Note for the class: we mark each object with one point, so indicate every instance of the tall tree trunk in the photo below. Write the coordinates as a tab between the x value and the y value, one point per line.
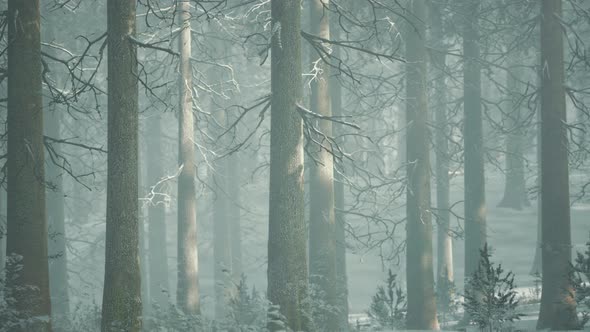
515	195
445	272
188	259
221	224
157	253
121	306
341	275
233	189
322	231
26	226
558	305
143	245
58	266
475	206
536	269
287	236
419	273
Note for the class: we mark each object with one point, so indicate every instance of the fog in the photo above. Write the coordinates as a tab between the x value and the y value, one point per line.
281	165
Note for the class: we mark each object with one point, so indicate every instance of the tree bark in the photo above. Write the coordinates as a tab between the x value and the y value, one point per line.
445	271
322	232
558	305
58	262
188	259
121	307
421	313
157	252
339	200
515	195
234	216
221	224
58	266
287	237
143	246
26	223
475	207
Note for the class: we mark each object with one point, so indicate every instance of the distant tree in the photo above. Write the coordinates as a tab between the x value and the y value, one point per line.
187	291
158	252
287	236
339	214
419	274
322	229
121	304
475	205
558	305
444	271
222	246
515	193
28	277
58	258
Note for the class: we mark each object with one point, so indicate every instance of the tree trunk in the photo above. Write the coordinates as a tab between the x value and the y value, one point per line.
536	269
233	189
341	275
287	237
157	253
558	305
322	232
515	195
26	225
143	246
58	266
419	274
221	225
475	207
445	271
188	259
121	307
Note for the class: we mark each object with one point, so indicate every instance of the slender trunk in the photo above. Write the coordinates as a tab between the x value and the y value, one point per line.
419	274
188	259
26	225
558	304
341	276
322	231
287	237
233	190
143	247
121	306
475	207
221	225
58	266
445	272
536	269
157	253
515	195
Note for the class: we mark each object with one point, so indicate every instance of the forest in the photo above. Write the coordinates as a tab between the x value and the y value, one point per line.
294	165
